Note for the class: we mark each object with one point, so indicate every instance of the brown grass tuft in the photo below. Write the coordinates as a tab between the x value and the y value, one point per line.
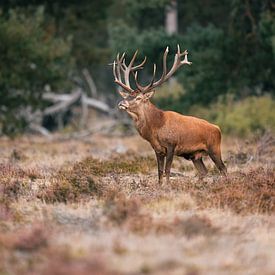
70	185
17	155
194	226
9	170
5	209
118	208
82	180
121	210
60	261
31	239
26	239
69	189
117	165
251	192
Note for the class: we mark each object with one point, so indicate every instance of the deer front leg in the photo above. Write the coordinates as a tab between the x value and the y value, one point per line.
160	160
169	160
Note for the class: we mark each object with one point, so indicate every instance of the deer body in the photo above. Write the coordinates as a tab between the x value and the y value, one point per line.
169	133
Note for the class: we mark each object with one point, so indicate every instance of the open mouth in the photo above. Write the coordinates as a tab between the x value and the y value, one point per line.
122	106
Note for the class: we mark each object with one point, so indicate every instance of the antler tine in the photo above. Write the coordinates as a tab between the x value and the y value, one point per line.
114	70
137	67
133	59
175	66
179	54
122	62
128	69
145	89
164	60
121	66
177	62
185	60
164	65
118	67
153	78
122	57
118	78
185	53
140	88
117	73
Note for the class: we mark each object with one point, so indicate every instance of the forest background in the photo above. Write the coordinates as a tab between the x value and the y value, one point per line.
45	46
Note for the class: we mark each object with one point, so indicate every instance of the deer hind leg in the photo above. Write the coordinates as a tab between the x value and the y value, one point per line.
160	161
215	155
198	163
169	160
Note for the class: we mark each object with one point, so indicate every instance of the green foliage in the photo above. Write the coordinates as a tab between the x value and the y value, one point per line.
86	22
231	45
142	28
203	80
241	118
31	57
150	43
138	13
249	54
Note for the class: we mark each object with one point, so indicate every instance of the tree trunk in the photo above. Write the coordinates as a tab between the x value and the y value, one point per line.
171	17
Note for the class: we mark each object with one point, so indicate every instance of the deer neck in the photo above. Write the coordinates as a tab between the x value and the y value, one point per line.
148	119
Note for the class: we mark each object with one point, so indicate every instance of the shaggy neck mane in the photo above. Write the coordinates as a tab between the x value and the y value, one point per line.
154	116
150	118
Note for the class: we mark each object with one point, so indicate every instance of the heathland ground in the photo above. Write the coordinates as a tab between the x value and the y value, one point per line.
94	206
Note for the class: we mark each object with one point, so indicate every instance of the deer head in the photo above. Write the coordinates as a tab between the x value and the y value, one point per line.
136	99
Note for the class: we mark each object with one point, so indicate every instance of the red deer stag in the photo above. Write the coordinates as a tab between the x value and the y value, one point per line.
169	133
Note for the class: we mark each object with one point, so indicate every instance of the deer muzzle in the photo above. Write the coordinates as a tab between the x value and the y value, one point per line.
123	105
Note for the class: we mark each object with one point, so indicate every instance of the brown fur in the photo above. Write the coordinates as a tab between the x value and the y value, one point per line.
171	133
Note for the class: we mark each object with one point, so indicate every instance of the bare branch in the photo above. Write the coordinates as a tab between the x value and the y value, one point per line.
41	130
90	82
84	114
97	104
56	97
63	105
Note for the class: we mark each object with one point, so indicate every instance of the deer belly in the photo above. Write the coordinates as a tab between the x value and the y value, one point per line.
193	155
192	152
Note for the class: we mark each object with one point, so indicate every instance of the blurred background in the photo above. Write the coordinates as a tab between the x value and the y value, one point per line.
54	56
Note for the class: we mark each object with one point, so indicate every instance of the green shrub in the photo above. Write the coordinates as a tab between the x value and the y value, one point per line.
241	118
31	58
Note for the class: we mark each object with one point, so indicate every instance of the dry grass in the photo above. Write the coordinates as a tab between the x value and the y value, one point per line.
251	191
66	208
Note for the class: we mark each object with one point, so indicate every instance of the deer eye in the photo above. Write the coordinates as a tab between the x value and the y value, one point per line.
138	98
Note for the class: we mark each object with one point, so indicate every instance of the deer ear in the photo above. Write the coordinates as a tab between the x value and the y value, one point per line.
149	95
123	94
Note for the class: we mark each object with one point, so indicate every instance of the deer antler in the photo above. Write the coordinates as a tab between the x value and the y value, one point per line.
120	65
177	64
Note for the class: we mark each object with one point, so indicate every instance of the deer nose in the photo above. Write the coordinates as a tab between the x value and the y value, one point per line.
123	104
